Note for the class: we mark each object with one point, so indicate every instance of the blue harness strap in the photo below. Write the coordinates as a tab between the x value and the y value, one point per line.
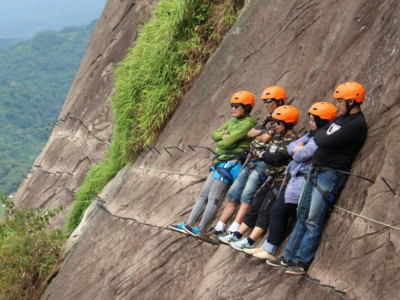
227	170
224	170
225	173
263	177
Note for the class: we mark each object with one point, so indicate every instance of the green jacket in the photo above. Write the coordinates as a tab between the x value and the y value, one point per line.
237	141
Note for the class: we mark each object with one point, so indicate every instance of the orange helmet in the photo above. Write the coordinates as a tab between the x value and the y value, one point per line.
324	110
287	113
350	91
244	97
274	92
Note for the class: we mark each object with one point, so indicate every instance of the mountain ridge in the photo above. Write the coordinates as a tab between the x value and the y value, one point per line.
22	19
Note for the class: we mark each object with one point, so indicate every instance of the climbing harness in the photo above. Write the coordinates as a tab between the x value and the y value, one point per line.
261	175
246	161
329	197
303	194
224	169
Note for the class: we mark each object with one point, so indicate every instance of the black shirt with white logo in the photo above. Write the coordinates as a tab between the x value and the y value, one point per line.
339	142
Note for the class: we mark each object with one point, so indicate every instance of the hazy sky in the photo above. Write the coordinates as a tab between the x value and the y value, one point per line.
23	18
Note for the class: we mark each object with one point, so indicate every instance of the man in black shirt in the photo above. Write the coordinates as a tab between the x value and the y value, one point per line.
338	144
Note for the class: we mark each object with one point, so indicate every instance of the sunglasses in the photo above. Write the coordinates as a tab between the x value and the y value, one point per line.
269	101
278	122
235	105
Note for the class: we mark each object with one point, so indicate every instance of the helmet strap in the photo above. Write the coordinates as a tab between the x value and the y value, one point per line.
288	126
320	122
247	109
349	106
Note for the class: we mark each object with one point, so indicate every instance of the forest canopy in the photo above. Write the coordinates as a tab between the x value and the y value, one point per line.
35	77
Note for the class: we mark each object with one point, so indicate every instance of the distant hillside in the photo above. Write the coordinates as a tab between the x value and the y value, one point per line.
5	43
21	18
35	77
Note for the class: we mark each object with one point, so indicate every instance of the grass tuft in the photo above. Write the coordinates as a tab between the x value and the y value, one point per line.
150	83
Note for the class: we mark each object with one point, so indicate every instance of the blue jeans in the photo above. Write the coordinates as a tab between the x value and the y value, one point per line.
314	213
247	182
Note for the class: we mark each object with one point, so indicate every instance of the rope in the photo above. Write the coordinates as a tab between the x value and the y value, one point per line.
204	175
172	172
366	218
100	203
339	293
104	209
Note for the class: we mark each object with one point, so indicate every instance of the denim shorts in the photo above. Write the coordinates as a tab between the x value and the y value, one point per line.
247	183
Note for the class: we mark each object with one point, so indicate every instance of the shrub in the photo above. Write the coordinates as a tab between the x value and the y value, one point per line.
29	254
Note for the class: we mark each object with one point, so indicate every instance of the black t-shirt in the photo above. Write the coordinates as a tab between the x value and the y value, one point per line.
339	142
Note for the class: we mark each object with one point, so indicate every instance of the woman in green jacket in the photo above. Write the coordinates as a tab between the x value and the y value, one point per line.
232	144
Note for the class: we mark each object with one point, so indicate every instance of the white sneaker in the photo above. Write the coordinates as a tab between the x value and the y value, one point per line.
240	245
228	238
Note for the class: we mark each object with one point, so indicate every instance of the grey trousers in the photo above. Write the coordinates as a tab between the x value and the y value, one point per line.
211	194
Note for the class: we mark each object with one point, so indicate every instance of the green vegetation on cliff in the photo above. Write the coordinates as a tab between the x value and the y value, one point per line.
153	79
29	254
3	197
35	77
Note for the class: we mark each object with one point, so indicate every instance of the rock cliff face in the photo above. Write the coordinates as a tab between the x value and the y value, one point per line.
306	46
84	128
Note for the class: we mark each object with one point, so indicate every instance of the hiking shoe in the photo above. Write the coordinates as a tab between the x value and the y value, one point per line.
296	270
253	250
277	262
211	236
240	245
265	255
178	228
228	238
191	230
